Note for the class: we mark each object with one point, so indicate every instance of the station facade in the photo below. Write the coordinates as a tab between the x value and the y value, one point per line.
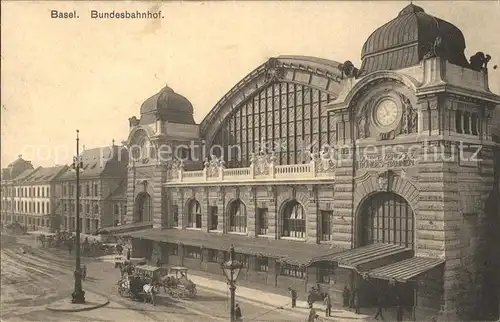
324	174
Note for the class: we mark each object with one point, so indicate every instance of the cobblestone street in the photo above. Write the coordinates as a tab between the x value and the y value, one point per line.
30	281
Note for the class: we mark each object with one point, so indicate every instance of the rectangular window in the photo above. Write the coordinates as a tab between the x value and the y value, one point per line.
193	252
326	221
214	218
213	256
324	275
293	271
262	264
175	214
174	249
88	224
261	221
95	190
243	259
117	209
87	208
87	191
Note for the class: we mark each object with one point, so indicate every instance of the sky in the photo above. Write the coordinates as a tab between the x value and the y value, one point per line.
59	75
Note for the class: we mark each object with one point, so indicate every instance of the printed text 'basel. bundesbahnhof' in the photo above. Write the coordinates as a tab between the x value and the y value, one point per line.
95	14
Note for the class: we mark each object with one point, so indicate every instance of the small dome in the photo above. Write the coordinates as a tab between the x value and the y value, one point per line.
169	105
405	40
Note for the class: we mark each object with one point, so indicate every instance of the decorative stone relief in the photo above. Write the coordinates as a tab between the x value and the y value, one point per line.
212	167
326	161
383	181
434	50
176	166
363	120
262	162
387	160
409	123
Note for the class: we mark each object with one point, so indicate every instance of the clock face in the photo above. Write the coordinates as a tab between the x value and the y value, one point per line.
386	112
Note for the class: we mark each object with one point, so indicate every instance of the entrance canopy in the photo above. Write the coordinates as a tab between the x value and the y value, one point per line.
368	257
294	253
124	228
406	269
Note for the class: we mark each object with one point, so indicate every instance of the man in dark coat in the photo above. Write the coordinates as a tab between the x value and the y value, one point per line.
346	295
128	254
293	294
237	312
354	301
380	305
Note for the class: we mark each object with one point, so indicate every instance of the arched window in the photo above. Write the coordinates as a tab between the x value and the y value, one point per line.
194	214
237	216
294	220
387	218
143	210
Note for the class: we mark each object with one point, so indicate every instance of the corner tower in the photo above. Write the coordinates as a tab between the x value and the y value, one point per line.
164	134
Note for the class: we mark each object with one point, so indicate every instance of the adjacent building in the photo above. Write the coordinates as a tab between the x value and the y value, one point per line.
318	172
18	168
102	185
35	200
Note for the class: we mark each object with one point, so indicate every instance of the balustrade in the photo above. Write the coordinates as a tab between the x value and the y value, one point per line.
262	167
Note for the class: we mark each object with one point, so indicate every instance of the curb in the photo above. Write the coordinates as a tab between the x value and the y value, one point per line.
282	306
81	307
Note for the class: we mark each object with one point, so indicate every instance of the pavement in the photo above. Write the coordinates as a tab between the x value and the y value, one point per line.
42	276
274	300
92	301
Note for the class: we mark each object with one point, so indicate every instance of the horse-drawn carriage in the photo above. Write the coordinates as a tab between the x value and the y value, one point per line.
177	284
138	287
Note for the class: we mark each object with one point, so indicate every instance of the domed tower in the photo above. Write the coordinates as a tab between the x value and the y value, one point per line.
164	134
168	106
409	38
416	122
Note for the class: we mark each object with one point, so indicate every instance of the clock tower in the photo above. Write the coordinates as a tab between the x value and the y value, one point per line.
415	160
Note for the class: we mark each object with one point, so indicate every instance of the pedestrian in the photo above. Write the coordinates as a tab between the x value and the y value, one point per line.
158	262
128	254
354	301
399	313
237	312
84	272
345	296
380	304
293	294
328	304
310	298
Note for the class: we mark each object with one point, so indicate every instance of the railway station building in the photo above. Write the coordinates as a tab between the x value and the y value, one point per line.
377	177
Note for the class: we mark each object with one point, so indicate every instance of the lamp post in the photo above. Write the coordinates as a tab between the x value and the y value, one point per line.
78	295
231	270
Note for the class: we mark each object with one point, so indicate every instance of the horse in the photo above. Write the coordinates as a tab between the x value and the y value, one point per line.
168	282
150	290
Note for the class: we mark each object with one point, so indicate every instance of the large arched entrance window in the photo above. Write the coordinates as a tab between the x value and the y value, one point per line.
387	218
143	208
237	216
294	220
194	214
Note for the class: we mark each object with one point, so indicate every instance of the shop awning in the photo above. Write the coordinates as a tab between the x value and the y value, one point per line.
406	269
368	257
125	228
292	252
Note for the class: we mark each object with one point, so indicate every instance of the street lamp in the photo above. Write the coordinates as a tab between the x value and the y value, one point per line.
231	270
78	295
